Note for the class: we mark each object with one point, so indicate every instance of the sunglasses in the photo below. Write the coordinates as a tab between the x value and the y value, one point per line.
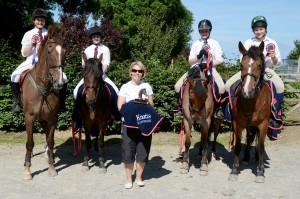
139	71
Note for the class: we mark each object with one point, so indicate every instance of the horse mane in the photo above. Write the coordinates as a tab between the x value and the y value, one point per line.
91	64
194	74
253	52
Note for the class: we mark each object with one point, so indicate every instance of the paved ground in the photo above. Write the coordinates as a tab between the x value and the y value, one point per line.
161	176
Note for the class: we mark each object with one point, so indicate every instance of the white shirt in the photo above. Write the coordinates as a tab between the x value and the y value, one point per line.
89	52
254	42
212	45
131	92
26	41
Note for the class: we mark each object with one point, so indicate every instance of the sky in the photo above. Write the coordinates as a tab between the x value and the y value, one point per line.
231	21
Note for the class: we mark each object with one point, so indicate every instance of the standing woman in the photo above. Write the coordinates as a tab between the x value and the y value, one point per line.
135	146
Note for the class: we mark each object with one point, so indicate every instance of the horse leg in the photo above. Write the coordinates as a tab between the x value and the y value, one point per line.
249	140
101	147
217	126
86	158
235	167
29	146
204	146
185	161
49	130
263	128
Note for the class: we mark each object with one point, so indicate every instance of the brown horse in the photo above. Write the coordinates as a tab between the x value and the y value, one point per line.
198	107
251	108
40	94
95	108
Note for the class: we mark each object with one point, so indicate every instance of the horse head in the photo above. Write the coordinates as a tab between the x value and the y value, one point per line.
252	69
92	76
52	53
198	91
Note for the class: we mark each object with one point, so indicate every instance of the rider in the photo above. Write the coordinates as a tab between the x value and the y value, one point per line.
94	51
272	57
208	44
30	43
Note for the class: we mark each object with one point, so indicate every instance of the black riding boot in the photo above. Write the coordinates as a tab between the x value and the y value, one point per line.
63	94
15	89
76	115
178	106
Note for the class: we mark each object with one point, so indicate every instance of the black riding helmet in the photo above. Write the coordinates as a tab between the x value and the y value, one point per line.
259	21
204	25
39	12
96	30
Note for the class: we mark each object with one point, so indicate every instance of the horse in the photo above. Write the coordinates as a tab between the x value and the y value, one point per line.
40	94
95	108
198	107
251	108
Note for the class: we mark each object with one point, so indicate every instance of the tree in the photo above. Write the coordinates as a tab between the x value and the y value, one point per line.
295	53
152	29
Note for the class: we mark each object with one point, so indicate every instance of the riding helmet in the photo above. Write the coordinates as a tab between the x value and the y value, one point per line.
96	30
204	24
39	12
259	21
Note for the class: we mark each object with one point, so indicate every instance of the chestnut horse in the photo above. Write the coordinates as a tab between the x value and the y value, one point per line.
251	108
40	94
95	108
198	107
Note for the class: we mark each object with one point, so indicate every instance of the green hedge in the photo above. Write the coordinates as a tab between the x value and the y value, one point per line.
161	77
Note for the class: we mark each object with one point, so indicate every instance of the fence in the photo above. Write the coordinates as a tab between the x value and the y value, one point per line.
289	70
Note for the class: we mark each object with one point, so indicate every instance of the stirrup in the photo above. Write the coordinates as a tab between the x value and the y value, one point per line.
219	113
17	108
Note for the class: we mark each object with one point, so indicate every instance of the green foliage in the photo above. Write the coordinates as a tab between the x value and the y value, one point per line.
152	30
295	53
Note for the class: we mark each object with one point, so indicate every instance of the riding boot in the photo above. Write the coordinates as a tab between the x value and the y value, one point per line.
15	89
63	94
178	107
76	115
279	100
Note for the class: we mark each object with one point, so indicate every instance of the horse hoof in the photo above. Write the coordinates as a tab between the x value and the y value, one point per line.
259	179
184	171
102	170
233	177
27	176
85	168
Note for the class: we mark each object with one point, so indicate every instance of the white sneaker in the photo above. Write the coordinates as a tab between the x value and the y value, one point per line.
128	185
140	183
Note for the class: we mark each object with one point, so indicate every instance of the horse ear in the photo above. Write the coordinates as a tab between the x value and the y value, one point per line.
100	59
84	58
50	32
63	32
242	49
261	47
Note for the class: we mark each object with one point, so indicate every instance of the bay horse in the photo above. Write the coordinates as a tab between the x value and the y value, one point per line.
40	94
251	108
198	107
95	108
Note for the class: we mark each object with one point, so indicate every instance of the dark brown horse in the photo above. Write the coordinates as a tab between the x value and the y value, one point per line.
40	94
95	108
198	107
251	108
